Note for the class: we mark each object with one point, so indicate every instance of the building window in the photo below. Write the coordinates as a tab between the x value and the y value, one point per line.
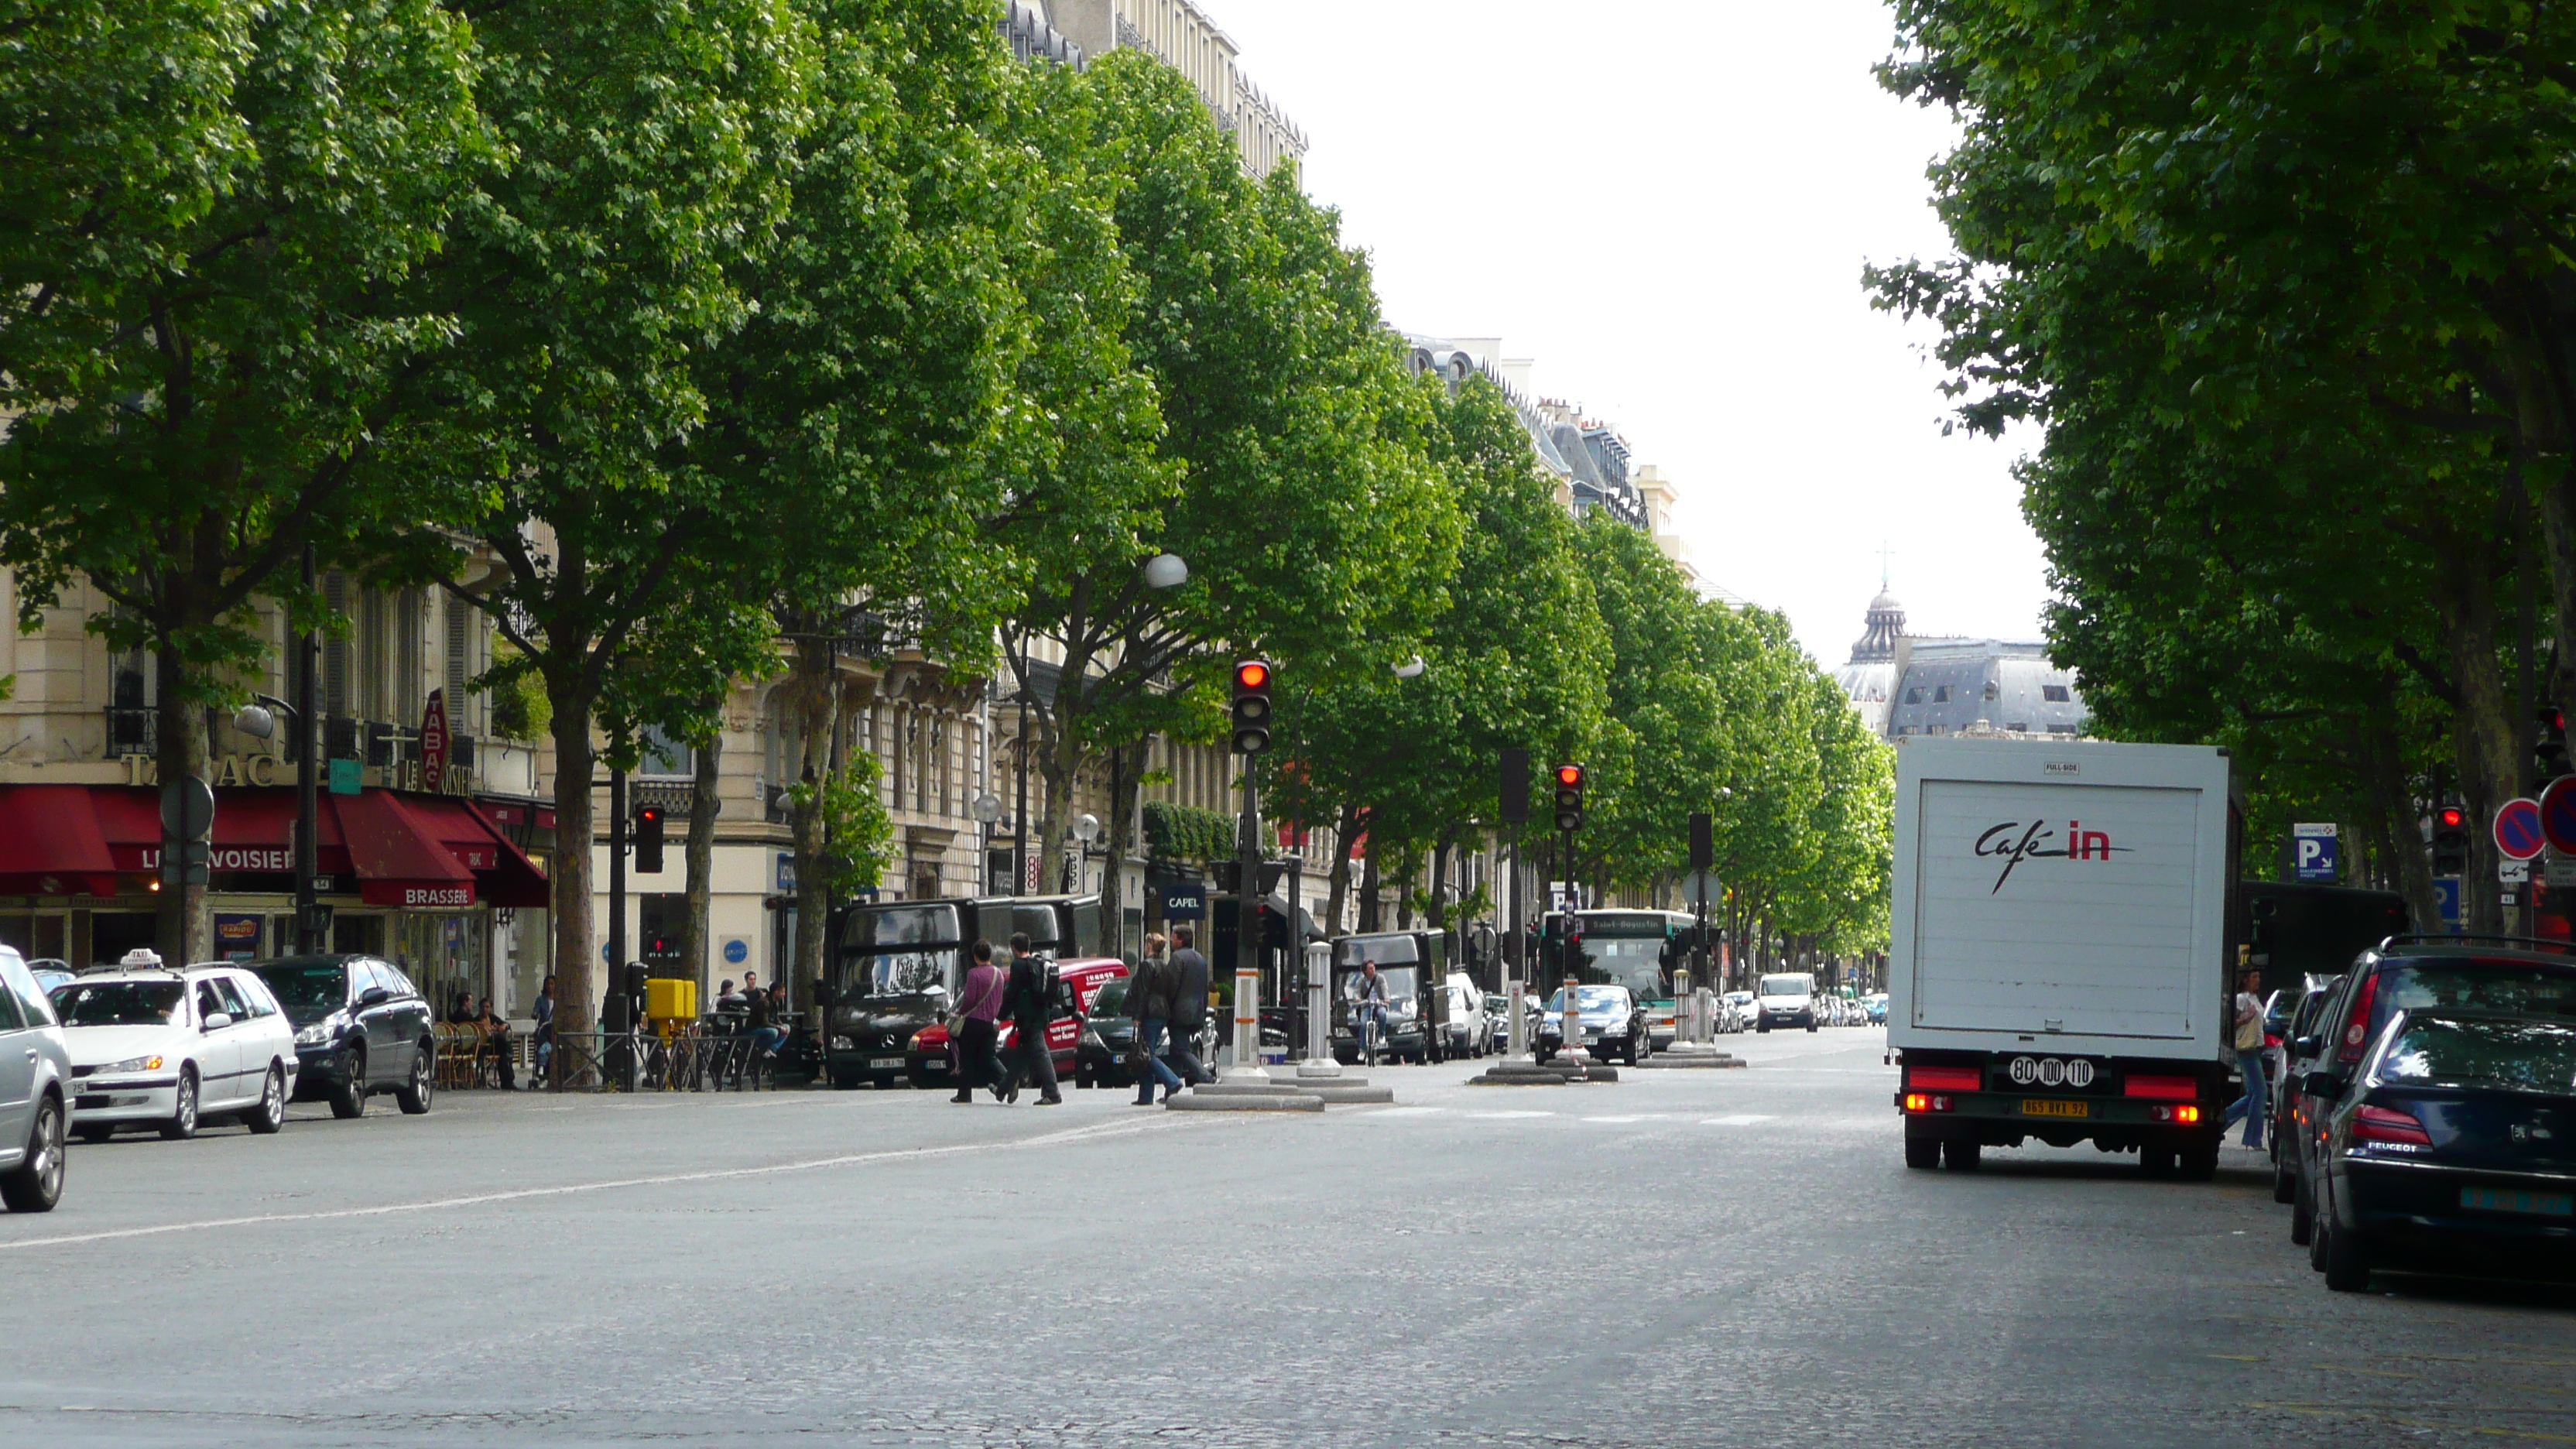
2064	730
1941	694
1914	696
460	657
2055	693
662	755
1993	690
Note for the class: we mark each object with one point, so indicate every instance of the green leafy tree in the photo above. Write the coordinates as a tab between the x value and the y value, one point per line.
209	354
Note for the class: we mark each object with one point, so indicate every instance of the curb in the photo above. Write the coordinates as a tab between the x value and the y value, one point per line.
1247	1102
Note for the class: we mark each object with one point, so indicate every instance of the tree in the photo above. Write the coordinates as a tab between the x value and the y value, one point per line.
1291	474
208	350
646	154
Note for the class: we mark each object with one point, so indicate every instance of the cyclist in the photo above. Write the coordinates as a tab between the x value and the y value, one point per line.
1368	1009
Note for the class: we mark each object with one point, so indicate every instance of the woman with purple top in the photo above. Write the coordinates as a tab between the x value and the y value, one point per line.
979	1005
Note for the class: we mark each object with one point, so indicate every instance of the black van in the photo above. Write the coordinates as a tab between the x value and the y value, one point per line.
1416	967
895	967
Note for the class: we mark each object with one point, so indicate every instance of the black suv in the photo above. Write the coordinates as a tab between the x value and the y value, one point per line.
361	1028
2499	974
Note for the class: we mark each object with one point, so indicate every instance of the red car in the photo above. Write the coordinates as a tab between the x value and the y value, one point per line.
930	1062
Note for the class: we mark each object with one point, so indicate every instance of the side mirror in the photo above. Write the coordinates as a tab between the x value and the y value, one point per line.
219	1020
2308	1046
374	996
2322	1084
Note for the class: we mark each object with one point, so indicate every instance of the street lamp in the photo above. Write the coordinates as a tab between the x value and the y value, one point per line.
987	809
1086	829
1166	571
1411	668
258	719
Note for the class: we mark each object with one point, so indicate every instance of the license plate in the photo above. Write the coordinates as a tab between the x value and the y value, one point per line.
2500	1200
885	1064
2052	1107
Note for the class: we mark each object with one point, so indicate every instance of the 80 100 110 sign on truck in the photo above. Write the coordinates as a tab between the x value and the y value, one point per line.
2060	928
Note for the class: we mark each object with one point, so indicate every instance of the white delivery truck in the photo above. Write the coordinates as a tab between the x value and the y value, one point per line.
2057	967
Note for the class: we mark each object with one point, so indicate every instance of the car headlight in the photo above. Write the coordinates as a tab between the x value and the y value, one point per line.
842	1044
131	1064
322	1031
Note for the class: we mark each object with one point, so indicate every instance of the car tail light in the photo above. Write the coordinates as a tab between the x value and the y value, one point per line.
2169	1088
2379	1124
2356	1027
1945	1079
2184	1114
1926	1102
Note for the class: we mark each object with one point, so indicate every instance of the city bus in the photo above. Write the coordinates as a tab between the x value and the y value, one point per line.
1637	949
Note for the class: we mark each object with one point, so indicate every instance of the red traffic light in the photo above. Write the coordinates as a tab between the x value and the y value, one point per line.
648	814
1570	776
2452	817
1251	674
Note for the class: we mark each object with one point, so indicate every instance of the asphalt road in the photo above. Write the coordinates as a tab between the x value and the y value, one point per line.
1677	1258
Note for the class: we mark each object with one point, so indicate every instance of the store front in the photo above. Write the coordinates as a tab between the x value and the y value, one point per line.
414	877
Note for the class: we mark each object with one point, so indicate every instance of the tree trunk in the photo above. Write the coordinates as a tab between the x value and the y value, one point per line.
1060	761
703	805
179	745
2482	731
1369	889
1128	766
1338	880
816	691
575	985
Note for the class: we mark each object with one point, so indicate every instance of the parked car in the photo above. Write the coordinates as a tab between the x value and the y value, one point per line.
2451	1146
1468	1031
1785	998
929	1063
1498	1022
1741	1010
2289	1065
35	1089
361	1028
1100	1058
1876	1005
50	973
169	1048
1614	1024
2409	973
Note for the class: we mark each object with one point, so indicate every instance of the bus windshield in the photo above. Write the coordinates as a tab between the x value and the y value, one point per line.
1629	962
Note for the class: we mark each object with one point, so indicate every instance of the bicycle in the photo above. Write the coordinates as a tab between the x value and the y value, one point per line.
1367	1024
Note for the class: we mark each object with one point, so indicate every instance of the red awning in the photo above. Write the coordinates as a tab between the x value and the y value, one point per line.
427	851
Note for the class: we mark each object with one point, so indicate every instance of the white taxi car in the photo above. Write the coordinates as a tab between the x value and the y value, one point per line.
153	1046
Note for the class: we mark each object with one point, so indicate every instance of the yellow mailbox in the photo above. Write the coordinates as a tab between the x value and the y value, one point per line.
668	998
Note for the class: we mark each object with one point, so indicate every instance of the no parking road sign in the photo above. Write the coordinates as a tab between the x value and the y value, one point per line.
2558	814
2517	829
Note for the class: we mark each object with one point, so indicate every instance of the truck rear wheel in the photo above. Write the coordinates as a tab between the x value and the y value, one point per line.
2155	1160
1921	1152
2199	1161
1962	1156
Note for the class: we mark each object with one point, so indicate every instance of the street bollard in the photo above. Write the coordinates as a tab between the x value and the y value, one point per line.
1520	1024
1247	1029
1685	1008
1319	1026
1573	1051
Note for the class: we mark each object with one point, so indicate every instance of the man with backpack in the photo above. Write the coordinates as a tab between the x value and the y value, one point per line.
1030	1002
1189	1007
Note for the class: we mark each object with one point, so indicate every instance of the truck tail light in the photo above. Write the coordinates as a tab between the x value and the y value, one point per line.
2171	1089
1945	1079
1926	1102
2184	1114
2356	1027
2379	1124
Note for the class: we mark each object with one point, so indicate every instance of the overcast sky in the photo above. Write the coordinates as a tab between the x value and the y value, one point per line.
1666	204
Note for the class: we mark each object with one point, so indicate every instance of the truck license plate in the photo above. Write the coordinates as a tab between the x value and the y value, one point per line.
2052	1107
885	1064
2494	1200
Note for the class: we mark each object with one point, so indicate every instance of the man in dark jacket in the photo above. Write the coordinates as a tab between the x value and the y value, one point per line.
1149	1000
1189	1006
1029	1001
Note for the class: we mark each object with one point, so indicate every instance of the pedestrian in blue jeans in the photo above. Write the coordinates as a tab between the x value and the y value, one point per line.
1149	1000
2256	1104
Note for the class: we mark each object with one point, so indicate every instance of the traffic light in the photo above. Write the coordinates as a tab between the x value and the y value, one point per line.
648	840
2450	841
1569	797
2549	743
1251	706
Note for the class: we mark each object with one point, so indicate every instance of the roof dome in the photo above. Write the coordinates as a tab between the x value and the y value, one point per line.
1886	622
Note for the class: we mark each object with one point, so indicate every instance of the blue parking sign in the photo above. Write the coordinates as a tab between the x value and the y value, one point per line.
2315	852
2446	894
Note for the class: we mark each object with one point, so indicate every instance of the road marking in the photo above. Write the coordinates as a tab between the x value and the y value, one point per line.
1383	1112
485	1199
1741	1119
1507	1116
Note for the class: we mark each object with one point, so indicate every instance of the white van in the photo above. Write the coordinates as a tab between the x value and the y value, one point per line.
1785	998
1470	1034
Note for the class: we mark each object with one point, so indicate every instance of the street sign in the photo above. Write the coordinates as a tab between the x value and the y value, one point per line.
2558	869
2517	829
2315	853
2446	896
433	741
1701	883
2558	814
2513	872
188	808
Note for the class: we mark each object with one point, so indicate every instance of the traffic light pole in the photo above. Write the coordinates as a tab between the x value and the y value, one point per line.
1572	953
1247	936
